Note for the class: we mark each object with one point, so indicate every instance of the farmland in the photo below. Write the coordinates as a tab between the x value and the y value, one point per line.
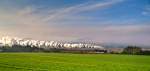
72	62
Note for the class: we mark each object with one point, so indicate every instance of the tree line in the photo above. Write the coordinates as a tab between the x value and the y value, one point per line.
135	50
132	50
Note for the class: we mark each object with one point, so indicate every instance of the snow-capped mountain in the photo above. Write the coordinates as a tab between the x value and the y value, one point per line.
10	41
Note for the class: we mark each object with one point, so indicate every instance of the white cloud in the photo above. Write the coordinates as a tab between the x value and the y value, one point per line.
146	11
28	23
65	12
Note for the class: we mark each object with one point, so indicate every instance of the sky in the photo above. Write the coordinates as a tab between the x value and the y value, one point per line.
103	21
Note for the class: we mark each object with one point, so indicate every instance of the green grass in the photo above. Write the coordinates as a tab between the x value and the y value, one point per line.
72	62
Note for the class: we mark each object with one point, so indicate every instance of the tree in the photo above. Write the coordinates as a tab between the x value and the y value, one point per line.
132	50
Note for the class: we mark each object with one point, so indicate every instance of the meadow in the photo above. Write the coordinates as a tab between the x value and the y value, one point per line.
72	62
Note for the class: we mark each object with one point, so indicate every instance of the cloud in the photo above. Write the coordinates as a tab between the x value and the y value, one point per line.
65	12
130	34
146	11
30	22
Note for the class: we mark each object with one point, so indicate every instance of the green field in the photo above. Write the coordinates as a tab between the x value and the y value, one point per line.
72	62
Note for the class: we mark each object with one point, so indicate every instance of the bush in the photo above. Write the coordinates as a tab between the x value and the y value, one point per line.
132	50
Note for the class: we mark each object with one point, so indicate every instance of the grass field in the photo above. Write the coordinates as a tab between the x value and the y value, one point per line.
72	62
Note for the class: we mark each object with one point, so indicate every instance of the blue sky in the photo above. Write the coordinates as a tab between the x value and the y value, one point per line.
118	21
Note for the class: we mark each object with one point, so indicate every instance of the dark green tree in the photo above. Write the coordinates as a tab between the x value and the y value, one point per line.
132	50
